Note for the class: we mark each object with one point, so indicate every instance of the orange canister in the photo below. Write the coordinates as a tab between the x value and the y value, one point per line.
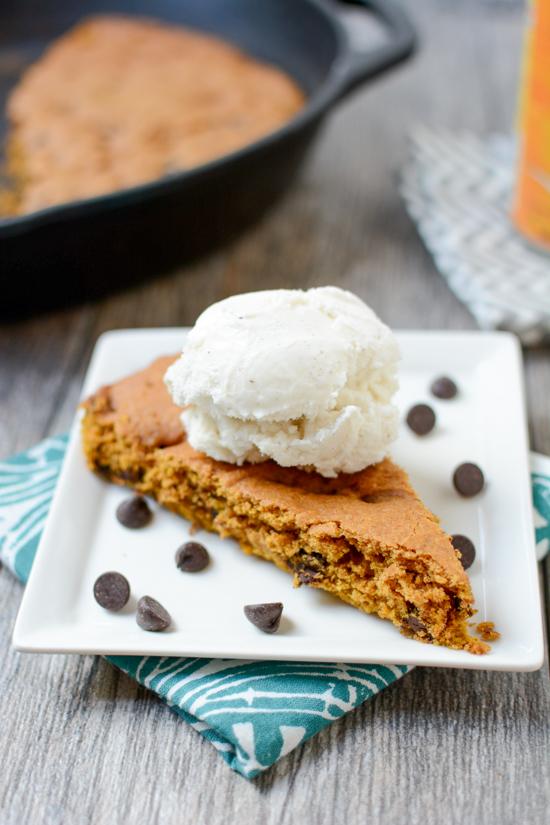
531	208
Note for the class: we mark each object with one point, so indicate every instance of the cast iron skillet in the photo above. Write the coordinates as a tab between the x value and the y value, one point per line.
80	250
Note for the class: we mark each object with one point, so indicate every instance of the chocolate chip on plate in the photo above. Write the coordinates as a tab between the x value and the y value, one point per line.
465	548
468	479
134	512
192	557
264	616
444	387
421	419
151	615
111	590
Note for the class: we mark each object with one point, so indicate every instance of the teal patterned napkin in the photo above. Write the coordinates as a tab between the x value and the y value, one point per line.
252	712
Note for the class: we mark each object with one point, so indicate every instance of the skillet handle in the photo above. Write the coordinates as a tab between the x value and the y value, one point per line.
358	65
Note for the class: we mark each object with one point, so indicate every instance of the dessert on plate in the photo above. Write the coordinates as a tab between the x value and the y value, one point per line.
118	101
273	428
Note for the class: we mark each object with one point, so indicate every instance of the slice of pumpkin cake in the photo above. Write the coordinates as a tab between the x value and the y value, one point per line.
365	536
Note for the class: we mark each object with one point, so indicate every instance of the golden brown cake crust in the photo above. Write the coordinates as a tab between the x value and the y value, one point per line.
117	101
133	434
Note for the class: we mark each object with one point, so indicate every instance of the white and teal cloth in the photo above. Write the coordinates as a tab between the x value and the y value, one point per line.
458	190
253	713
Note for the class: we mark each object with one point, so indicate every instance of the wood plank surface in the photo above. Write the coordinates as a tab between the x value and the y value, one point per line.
81	743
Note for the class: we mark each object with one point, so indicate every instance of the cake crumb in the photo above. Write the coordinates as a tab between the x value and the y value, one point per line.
487	631
194	529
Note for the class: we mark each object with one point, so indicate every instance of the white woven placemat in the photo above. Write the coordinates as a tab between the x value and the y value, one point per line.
457	189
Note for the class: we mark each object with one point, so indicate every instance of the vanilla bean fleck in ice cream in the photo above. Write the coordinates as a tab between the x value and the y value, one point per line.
305	378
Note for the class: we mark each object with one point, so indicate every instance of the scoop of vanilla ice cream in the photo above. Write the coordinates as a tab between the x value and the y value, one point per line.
303	377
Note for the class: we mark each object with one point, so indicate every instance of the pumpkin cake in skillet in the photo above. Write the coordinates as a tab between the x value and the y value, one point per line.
118	101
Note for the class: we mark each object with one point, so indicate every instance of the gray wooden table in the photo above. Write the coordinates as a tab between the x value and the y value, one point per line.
81	742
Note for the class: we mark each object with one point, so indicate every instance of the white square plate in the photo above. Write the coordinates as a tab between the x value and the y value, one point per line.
485	424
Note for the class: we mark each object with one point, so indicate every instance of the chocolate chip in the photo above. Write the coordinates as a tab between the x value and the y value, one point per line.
319	558
134	512
309	567
415	624
266	616
421	419
444	387
468	479
130	475
306	575
111	590
151	615
465	548
192	557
